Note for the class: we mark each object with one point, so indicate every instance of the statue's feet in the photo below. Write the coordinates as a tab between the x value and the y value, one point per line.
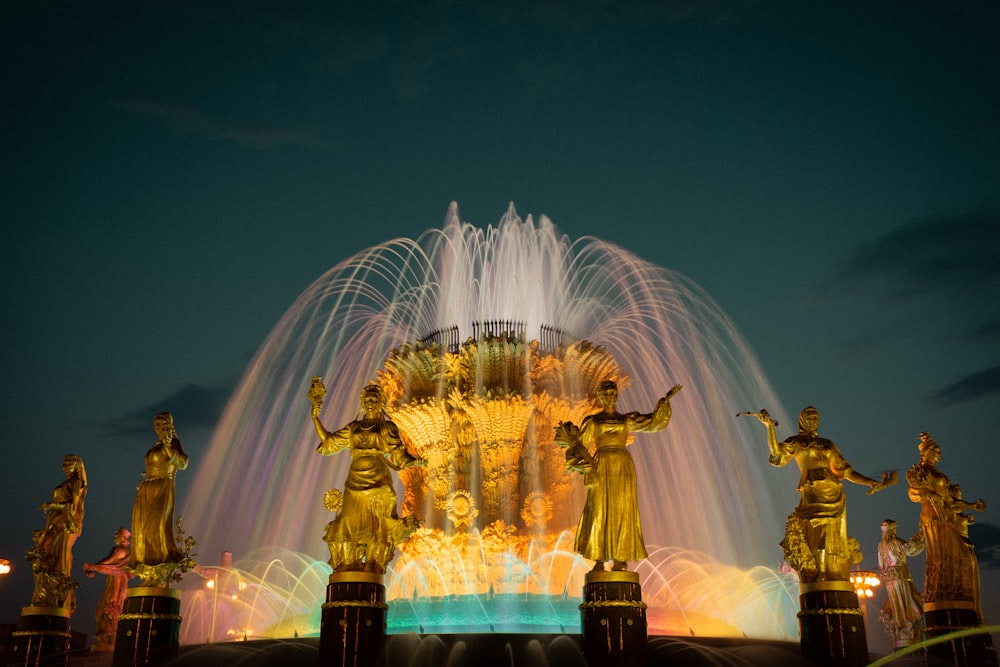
619	566
598	566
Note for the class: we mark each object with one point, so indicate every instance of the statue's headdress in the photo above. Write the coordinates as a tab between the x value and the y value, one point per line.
808	411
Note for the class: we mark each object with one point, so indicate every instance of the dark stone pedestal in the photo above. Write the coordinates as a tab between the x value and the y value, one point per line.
149	627
352	625
832	625
614	620
944	617
41	638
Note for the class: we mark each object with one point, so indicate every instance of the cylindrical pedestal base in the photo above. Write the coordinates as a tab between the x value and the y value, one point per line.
42	637
831	624
948	616
614	620
149	627
352	626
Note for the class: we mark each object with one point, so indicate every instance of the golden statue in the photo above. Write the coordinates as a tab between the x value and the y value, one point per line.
902	614
609	528
951	572
816	543
109	607
155	554
364	535
51	554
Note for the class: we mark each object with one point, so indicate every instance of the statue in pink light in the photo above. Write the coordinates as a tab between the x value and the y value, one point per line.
115	568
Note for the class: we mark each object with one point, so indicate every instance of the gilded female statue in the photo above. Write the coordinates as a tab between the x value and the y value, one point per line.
816	542
115	568
52	551
610	528
903	612
951	572
364	534
153	540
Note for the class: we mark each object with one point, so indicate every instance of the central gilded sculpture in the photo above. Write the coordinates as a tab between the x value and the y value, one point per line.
483	414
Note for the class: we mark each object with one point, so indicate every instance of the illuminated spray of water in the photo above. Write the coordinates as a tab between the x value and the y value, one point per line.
704	484
277	593
271	593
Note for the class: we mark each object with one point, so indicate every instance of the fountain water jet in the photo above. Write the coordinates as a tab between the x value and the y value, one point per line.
703	483
271	593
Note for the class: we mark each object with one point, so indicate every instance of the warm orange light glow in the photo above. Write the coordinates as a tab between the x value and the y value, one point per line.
864	583
4	566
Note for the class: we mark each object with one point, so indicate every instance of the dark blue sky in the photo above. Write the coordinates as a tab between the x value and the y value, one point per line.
174	175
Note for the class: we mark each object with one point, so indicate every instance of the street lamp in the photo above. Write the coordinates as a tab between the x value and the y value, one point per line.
865	582
4	566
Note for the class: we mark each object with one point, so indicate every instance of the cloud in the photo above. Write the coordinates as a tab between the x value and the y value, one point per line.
562	47
934	281
986	537
188	120
957	257
193	407
970	388
944	266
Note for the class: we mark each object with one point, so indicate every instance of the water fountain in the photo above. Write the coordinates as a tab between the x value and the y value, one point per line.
483	341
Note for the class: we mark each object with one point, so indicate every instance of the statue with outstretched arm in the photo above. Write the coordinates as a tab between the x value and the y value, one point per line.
115	568
816	542
367	528
610	528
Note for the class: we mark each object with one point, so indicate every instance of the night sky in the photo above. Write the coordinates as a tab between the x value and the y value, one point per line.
175	174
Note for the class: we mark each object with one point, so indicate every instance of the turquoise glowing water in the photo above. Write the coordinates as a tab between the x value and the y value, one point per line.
704	483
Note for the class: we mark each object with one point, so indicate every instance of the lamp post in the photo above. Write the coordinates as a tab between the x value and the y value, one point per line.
213	585
865	582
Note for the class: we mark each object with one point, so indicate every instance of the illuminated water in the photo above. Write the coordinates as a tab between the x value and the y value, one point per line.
704	483
278	593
